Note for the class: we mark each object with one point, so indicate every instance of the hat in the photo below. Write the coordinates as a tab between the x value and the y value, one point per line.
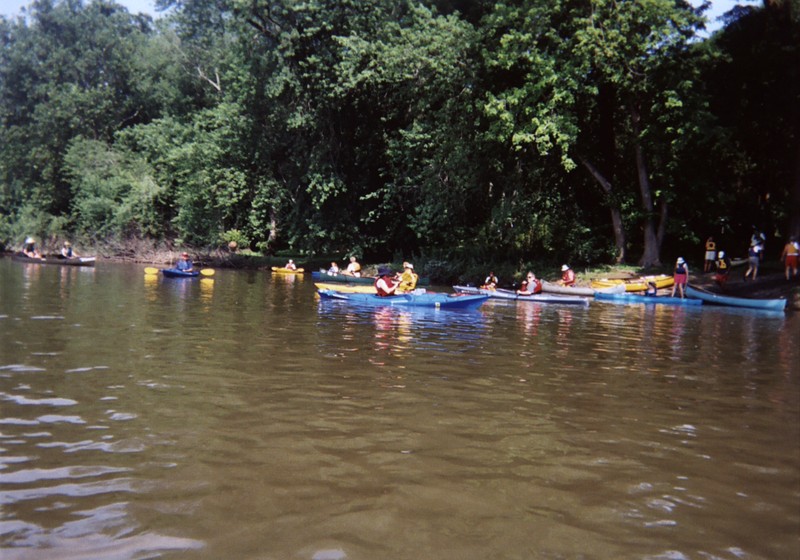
564	267
184	254
721	254
680	260
29	240
409	265
384	271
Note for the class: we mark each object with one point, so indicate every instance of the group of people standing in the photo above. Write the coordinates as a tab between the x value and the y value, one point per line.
721	265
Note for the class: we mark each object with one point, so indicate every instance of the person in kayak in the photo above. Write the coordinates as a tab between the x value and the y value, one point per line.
184	263
334	269
385	284
67	252
491	281
681	276
567	276
530	286
408	279
290	265
353	269
29	248
652	289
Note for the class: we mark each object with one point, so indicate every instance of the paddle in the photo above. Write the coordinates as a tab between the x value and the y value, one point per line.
204	271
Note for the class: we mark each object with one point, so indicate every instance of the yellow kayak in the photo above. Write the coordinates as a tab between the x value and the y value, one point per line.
284	270
635	284
347	288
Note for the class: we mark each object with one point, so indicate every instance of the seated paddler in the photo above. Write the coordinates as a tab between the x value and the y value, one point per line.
408	279
384	284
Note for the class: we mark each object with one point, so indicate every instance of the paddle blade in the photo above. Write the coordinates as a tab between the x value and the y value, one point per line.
207	272
150	270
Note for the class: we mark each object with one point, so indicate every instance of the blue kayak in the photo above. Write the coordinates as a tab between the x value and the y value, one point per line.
720	299
499	293
628	297
175	273
434	300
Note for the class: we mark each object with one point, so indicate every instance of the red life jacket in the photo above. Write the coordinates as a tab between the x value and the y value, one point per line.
568	277
380	290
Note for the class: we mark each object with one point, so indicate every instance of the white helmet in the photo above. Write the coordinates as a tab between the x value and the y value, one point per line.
722	254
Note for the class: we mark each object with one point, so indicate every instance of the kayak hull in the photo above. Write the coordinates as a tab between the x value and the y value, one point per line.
648	300
175	273
635	284
284	270
346	288
720	299
319	276
430	300
62	261
511	295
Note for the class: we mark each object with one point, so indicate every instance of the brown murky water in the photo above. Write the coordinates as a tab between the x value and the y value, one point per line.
241	417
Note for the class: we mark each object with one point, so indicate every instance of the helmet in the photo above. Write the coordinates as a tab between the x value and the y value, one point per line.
721	254
564	267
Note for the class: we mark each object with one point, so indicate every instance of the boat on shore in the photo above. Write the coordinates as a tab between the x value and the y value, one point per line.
500	293
777	304
584	291
59	260
320	276
429	299
638	284
647	300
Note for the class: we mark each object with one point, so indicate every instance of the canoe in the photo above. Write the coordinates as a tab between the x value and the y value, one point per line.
63	261
638	284
511	295
550	288
429	299
321	276
346	288
175	273
284	270
720	299
651	300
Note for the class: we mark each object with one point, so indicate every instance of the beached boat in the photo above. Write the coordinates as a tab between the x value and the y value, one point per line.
175	273
500	293
648	300
321	276
721	299
346	288
638	284
284	270
584	291
63	261
429	299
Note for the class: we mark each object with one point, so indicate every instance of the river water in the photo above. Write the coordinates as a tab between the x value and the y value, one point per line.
241	417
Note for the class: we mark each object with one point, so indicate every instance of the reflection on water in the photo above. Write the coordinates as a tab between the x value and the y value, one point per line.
242	417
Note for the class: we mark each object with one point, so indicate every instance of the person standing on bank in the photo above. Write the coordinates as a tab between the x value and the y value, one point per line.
711	254
753	258
723	265
681	276
790	256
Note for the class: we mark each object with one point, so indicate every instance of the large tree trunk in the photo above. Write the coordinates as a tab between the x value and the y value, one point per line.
650	256
616	214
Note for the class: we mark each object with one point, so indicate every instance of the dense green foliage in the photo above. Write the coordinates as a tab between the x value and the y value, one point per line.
581	130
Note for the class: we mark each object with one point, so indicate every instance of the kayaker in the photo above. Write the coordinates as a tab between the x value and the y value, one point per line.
680	275
408	279
334	269
723	265
567	276
67	252
290	265
29	248
353	269
790	256
710	255
491	281
530	286
651	290
385	285
184	264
